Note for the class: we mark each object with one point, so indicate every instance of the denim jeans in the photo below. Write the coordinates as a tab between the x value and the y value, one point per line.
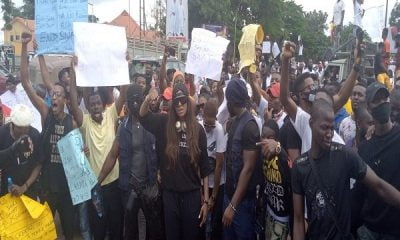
243	225
83	212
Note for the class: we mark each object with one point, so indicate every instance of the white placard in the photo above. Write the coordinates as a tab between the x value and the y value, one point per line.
101	51
266	47
204	58
275	50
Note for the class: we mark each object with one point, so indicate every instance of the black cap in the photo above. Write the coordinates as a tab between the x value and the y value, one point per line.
373	89
179	91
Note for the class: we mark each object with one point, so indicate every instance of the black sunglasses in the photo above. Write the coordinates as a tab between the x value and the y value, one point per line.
182	100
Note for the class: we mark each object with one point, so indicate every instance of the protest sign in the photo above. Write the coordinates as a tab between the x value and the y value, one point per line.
80	176
275	50
204	58
53	19
266	47
252	34
101	51
177	20
23	218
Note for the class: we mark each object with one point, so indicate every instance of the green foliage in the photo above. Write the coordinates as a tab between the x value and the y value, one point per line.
281	20
10	11
395	16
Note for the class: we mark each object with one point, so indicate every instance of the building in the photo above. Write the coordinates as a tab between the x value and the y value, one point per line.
12	37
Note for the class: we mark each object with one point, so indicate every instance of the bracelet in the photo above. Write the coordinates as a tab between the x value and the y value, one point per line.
233	207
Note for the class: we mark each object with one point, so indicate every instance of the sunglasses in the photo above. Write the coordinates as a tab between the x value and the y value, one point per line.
181	100
208	126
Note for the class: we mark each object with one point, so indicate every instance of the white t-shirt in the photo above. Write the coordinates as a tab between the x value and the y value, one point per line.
337	12
358	14
281	120
216	143
347	130
302	126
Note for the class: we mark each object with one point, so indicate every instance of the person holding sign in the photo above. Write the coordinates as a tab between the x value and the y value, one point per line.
56	124
98	129
20	158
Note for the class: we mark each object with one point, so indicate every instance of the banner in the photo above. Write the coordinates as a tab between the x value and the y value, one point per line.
80	176
22	218
177	19
53	19
204	58
101	51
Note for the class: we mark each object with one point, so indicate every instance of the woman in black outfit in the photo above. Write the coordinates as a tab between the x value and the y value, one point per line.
182	148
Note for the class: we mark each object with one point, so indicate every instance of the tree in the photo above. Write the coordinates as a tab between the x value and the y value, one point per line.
28	9
9	11
314	38
395	16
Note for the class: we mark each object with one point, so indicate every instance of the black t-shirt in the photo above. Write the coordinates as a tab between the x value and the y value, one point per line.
278	184
288	136
18	168
250	136
377	64
184	176
381	153
335	168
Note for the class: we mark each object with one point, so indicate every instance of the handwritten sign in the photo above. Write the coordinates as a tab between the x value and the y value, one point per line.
23	218
266	47
204	58
101	50
53	19
80	176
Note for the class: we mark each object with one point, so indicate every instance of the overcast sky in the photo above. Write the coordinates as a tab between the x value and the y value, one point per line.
107	10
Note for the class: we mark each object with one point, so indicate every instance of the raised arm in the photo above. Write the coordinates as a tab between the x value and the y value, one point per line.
110	161
163	71
144	109
37	101
386	191
345	91
75	110
44	71
119	103
287	102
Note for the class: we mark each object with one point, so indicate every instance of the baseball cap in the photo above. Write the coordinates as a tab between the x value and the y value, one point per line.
21	115
373	89
275	90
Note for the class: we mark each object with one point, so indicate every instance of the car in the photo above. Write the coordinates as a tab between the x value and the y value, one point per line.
142	65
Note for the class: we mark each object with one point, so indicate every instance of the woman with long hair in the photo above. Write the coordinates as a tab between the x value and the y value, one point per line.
182	150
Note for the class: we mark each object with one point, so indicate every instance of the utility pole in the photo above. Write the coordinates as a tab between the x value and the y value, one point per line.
386	14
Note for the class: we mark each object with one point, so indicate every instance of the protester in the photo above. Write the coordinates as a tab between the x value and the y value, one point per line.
55	124
183	163
381	154
395	106
275	108
278	183
380	69
347	129
338	17
134	148
358	15
23	169
305	91
241	159
98	129
321	177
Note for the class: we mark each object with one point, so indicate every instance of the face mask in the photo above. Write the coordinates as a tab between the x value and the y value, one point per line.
381	113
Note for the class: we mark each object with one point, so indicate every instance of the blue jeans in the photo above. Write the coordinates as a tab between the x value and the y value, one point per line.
243	225
83	212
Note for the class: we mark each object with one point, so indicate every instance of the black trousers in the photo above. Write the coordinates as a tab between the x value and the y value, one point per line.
153	214
217	213
110	224
62	203
181	212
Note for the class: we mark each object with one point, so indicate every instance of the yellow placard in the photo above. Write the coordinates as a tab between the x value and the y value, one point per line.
23	218
252	34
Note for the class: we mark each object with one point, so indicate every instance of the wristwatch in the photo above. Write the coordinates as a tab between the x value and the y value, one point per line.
278	148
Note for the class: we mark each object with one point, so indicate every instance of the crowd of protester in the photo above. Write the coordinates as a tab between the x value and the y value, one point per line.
283	152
